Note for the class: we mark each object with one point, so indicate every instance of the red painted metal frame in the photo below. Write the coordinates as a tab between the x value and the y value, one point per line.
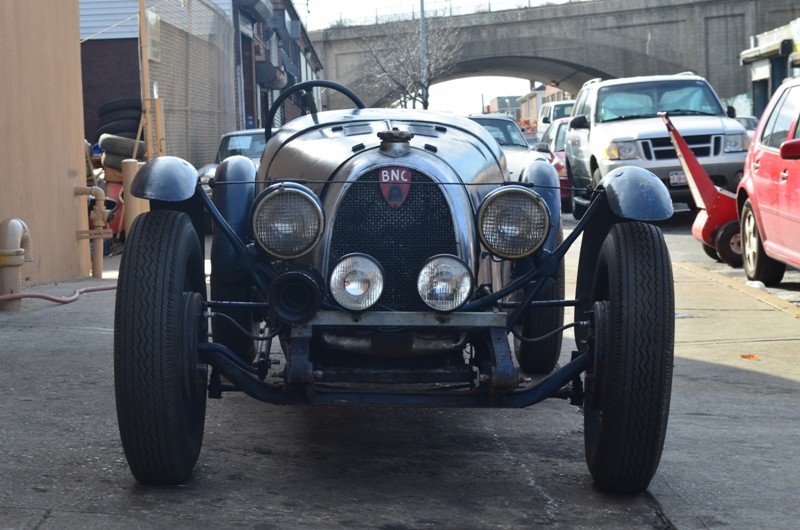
716	206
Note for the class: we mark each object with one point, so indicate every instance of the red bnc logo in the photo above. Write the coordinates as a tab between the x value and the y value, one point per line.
395	185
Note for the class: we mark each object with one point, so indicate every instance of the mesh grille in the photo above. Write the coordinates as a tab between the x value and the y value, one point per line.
401	239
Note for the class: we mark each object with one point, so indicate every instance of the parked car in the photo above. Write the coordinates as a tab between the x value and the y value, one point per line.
553	144
749	123
615	123
392	263
552	111
247	142
505	130
768	197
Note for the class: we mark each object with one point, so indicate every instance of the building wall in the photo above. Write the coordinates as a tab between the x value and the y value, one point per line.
42	131
110	71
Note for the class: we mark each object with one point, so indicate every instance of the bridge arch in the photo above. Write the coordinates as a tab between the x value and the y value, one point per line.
569	44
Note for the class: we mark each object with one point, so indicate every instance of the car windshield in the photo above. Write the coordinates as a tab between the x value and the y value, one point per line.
646	100
506	132
249	145
562	111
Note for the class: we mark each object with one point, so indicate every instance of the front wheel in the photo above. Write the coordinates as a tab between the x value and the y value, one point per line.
160	383
757	265
628	386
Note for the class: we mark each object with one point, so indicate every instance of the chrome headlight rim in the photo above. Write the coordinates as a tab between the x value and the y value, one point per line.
498	194
276	191
338	290
466	295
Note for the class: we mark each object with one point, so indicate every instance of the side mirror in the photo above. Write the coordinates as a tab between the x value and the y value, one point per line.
541	147
579	122
790	150
731	112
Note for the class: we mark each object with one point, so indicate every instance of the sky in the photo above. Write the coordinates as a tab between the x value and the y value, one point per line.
460	96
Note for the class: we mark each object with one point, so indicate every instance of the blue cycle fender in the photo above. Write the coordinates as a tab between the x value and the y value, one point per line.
166	178
637	194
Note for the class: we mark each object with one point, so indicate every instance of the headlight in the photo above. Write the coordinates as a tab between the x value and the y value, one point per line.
287	220
735	143
622	151
357	282
444	283
513	222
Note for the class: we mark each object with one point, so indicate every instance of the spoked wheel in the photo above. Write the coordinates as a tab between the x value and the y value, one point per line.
729	244
628	387
757	265
160	384
540	357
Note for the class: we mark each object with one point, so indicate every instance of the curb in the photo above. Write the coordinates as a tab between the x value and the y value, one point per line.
762	296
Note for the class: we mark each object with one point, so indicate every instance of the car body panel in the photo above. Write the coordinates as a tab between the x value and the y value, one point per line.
511	139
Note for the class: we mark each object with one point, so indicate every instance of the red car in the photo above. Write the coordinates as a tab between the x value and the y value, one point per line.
554	141
768	198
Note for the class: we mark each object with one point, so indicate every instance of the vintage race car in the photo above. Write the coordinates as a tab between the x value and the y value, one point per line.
394	263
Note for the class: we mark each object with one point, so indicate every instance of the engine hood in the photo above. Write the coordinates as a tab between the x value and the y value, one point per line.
654	127
317	149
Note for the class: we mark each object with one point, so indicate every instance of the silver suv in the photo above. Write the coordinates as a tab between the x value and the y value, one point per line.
615	123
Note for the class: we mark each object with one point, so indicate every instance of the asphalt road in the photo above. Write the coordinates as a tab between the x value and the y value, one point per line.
730	457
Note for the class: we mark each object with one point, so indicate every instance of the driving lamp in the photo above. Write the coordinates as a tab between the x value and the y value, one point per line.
287	220
513	222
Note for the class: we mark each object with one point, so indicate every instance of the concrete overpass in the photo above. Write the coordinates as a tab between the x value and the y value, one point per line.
569	44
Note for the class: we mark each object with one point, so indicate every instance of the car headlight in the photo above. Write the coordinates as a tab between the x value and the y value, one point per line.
287	220
513	222
444	283
357	282
735	143
622	151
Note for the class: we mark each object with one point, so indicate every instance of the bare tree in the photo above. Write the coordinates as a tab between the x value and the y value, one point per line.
402	66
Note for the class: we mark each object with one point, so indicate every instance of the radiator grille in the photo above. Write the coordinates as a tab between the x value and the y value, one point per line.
702	145
401	239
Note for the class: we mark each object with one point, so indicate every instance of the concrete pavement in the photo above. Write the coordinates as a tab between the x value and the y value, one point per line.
730	459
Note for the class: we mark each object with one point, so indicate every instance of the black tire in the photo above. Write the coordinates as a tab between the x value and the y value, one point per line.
629	385
160	385
119	145
112	160
224	331
119	126
728	243
757	265
710	251
119	104
541	357
121	114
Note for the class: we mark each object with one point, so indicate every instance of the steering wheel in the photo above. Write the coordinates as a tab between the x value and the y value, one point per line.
304	87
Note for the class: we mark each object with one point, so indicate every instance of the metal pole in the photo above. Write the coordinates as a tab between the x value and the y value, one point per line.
423	53
144	71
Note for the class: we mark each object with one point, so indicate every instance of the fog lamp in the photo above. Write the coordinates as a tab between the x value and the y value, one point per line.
357	282
444	283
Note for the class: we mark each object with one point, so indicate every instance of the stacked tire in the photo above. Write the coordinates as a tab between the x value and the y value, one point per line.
120	117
